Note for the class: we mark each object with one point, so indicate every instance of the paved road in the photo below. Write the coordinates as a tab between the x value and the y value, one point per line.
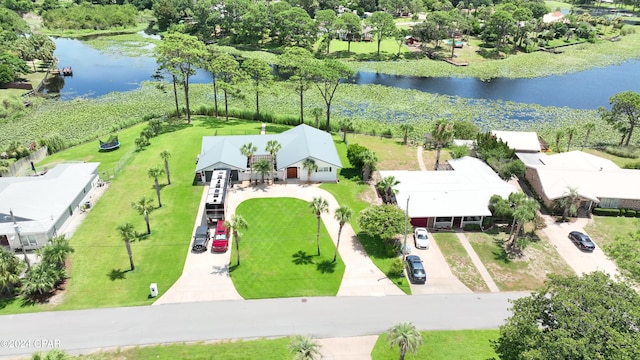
323	317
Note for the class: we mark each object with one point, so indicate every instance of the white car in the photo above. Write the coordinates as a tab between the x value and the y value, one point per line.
421	238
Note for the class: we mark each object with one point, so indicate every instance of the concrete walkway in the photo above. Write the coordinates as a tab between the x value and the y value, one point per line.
420	159
477	262
361	276
349	348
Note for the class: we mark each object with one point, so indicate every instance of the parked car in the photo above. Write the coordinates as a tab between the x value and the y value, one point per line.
220	242
421	238
582	241
415	269
201	238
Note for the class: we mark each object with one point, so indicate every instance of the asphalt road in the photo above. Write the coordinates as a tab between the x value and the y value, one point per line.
83	331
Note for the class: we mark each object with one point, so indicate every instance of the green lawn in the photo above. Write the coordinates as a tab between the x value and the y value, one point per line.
388	46
553	5
527	273
278	252
604	229
263	349
444	345
459	261
352	192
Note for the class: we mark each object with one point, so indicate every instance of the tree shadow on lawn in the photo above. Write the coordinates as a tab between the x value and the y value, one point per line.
302	258
6	300
351	174
117	274
375	247
326	266
500	254
270	129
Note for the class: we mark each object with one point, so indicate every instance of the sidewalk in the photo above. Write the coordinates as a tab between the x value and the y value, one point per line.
477	262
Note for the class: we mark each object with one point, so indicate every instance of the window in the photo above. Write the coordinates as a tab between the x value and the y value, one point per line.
609	203
31	240
324	169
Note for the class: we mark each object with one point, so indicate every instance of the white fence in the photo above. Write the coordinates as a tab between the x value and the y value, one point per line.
23	164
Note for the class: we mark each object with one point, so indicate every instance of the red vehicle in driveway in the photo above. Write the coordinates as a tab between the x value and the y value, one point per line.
220	238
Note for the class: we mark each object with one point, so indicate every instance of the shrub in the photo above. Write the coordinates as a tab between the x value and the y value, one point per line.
606	212
633	165
472	227
630	152
458	151
396	268
54	143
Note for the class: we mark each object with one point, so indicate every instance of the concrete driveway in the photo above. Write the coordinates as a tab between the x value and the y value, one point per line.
581	262
205	275
440	279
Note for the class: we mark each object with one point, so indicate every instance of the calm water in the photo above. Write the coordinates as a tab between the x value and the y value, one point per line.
96	74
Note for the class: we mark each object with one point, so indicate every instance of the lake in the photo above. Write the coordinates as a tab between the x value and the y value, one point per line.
96	73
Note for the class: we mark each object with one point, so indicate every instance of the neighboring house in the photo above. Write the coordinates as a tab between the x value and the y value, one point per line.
599	182
298	144
552	17
448	199
519	141
41	205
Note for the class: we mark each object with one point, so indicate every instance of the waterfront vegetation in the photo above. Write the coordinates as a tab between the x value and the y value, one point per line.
367	106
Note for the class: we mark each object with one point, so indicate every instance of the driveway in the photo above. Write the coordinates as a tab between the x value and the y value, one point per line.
440	279
581	262
205	275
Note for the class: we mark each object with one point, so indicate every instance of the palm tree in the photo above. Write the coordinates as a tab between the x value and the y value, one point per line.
126	231
589	127
154	173
342	215
369	161
385	186
316	113
165	155
10	270
524	211
304	348
559	135
311	166
406	337
273	146
39	280
318	206
236	224
248	150
263	167
345	125
571	131
406	128
144	206
568	202
55	252
442	133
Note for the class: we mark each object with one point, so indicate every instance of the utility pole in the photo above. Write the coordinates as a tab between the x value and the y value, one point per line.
16	227
406	221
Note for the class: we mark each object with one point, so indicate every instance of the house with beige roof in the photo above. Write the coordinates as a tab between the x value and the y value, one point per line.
598	181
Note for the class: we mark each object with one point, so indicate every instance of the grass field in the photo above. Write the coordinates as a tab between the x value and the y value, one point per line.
459	261
444	345
387	46
263	349
392	154
278	253
527	273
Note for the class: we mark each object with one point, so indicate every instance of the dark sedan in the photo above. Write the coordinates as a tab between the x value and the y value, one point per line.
583	241
415	269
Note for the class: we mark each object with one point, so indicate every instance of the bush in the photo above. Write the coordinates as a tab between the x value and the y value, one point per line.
630	152
606	212
472	227
396	269
633	165
54	143
458	151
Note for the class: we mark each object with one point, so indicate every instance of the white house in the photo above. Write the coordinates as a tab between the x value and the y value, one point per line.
41	205
298	144
447	199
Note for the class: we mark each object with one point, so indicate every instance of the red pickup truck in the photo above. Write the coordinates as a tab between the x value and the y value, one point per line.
220	242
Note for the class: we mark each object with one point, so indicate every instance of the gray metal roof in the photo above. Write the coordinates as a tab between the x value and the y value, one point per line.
43	199
298	143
